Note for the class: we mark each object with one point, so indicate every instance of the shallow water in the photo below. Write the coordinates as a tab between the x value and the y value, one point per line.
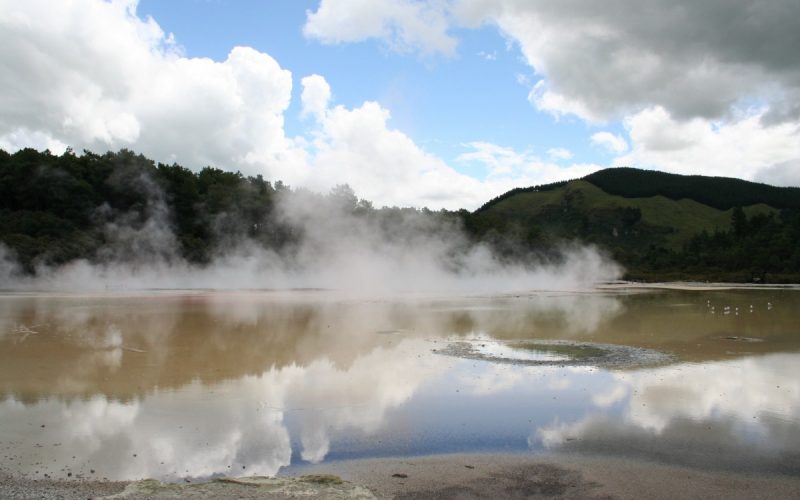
198	384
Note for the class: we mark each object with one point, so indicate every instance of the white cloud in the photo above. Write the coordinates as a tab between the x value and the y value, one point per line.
609	141
559	154
93	75
23	138
405	25
678	73
506	165
694	59
781	174
499	160
544	99
743	147
356	146
316	95
604	60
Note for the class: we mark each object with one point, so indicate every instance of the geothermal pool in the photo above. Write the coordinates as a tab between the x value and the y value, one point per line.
198	384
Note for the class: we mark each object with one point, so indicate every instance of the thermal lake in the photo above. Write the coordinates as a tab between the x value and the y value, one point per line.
198	384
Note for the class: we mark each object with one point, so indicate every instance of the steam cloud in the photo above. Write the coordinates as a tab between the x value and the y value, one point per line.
337	248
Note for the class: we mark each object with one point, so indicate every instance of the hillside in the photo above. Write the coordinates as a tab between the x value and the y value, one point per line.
118	206
718	192
653	222
579	209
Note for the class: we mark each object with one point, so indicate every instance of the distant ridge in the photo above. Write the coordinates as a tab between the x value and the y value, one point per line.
516	191
659	226
722	193
718	192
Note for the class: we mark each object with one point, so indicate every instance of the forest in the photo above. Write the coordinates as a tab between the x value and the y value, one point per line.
58	208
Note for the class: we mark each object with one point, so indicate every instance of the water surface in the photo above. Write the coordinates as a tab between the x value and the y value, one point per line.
198	384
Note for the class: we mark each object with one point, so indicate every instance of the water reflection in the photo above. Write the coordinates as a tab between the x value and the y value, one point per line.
202	430
195	385
124	346
743	413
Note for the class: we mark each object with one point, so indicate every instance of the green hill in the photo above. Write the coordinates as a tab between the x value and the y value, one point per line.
718	192
579	209
650	221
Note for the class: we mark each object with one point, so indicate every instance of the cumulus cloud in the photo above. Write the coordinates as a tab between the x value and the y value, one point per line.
781	174
405	25
745	147
559	154
357	146
94	75
506	165
603	59
691	66
316	95
90	74
609	141
694	59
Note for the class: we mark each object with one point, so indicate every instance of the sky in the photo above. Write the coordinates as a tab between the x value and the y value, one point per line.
437	103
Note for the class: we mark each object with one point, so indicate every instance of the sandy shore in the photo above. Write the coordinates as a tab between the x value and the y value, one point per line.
526	476
452	476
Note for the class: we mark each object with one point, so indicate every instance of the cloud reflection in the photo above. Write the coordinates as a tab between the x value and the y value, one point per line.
236	426
738	413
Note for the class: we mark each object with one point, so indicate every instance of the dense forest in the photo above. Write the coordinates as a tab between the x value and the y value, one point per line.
58	208
55	209
717	192
765	247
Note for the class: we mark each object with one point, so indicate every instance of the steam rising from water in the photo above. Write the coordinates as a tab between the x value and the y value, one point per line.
338	247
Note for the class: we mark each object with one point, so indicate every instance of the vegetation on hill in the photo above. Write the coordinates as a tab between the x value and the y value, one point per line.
718	192
120	206
660	232
56	209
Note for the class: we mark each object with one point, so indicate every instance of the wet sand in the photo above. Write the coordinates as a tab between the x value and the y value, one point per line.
452	476
554	476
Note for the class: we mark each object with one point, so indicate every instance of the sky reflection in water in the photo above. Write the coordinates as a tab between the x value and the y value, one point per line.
198	385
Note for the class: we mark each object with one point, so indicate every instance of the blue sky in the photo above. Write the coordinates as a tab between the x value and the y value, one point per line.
441	103
487	104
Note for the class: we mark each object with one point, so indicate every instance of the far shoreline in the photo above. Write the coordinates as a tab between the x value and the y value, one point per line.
600	287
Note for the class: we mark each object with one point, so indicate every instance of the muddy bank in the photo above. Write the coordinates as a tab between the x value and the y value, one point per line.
312	486
553	476
444	476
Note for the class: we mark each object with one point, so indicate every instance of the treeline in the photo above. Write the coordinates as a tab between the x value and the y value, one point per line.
55	209
763	248
718	192
520	190
58	208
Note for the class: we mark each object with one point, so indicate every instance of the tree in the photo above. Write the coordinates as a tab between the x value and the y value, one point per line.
739	222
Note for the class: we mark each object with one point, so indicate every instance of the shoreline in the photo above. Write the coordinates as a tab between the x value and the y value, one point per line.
478	475
318	293
483	475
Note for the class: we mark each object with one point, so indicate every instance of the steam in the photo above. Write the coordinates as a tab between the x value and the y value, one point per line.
339	243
